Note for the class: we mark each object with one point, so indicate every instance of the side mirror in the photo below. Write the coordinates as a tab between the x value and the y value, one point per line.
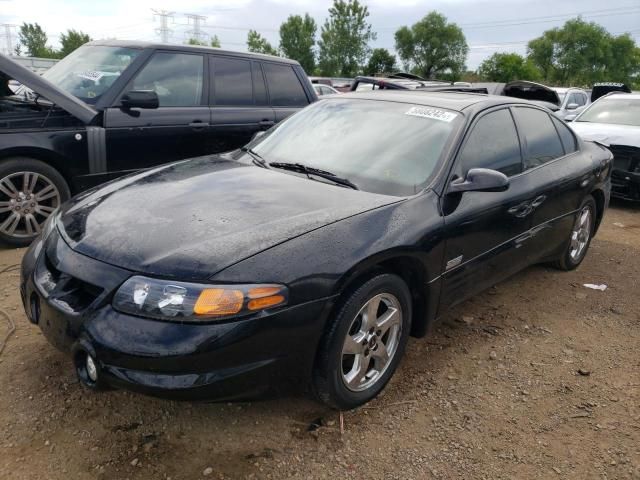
480	180
570	118
140	99
572	106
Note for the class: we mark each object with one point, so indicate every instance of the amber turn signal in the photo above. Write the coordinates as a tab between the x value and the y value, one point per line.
219	301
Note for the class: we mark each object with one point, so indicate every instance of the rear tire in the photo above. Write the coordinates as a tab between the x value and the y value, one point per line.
580	237
364	344
30	191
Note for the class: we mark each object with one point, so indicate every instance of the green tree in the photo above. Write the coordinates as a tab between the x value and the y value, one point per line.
195	41
72	40
380	61
33	38
214	42
433	46
258	44
582	53
297	39
506	67
344	39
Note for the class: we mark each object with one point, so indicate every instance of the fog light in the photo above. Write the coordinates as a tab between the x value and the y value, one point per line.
92	370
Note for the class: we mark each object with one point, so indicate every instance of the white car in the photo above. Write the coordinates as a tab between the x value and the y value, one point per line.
614	120
322	89
573	100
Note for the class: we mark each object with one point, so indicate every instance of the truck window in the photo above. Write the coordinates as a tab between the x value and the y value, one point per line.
232	81
285	88
175	77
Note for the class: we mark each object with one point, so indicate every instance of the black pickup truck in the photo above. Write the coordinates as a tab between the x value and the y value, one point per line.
115	107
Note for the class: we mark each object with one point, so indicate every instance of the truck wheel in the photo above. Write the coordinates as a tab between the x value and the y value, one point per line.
30	191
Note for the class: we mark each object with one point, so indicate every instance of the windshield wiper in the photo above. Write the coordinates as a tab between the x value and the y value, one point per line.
257	159
299	167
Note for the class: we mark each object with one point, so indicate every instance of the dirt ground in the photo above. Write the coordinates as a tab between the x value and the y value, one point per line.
538	377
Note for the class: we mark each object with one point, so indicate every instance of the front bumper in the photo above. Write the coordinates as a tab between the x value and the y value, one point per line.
625	185
216	361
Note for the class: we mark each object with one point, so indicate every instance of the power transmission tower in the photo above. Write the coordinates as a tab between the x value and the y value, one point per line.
8	37
196	32
164	31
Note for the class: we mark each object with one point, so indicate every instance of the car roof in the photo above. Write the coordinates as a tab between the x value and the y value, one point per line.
187	48
457	101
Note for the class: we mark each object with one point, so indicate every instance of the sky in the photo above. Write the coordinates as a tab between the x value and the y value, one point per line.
489	26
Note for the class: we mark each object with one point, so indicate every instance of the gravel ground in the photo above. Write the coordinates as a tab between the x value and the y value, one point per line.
538	377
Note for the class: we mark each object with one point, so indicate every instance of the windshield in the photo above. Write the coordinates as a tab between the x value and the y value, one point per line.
619	110
89	71
382	147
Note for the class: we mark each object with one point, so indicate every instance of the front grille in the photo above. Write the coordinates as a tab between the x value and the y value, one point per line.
626	159
67	292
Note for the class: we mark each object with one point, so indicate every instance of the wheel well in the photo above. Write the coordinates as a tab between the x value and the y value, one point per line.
42	155
598	196
412	272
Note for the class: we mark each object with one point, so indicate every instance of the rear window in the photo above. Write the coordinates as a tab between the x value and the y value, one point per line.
285	88
542	140
566	136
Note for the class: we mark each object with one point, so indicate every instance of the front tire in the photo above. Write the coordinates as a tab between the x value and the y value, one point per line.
580	237
364	344
30	191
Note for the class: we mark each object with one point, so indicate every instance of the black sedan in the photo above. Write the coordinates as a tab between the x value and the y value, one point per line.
311	255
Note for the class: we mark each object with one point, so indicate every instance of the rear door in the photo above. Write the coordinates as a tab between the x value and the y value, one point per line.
557	171
487	233
177	129
239	103
286	91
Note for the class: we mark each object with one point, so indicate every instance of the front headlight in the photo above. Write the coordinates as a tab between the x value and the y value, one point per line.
192	302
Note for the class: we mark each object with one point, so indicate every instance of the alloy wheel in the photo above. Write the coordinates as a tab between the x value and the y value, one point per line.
580	234
27	200
371	342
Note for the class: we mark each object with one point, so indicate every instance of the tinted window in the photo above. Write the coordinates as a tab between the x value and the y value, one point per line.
259	89
232	81
175	77
284	87
566	136
493	143
542	140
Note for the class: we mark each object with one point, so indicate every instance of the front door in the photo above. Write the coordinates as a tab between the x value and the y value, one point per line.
487	233
177	129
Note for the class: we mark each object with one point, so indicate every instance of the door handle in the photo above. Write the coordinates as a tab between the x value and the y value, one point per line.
521	210
538	201
266	123
198	125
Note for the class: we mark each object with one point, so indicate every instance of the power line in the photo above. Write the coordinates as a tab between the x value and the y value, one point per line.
197	21
8	37
164	30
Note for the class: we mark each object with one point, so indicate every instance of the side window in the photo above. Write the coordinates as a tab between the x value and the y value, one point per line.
493	143
285	89
566	136
175	77
540	136
581	99
232	81
259	88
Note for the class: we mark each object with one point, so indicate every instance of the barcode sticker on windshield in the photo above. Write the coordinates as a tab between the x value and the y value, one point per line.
434	113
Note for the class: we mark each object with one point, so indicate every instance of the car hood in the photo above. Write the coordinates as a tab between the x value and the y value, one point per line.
191	219
48	90
608	134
